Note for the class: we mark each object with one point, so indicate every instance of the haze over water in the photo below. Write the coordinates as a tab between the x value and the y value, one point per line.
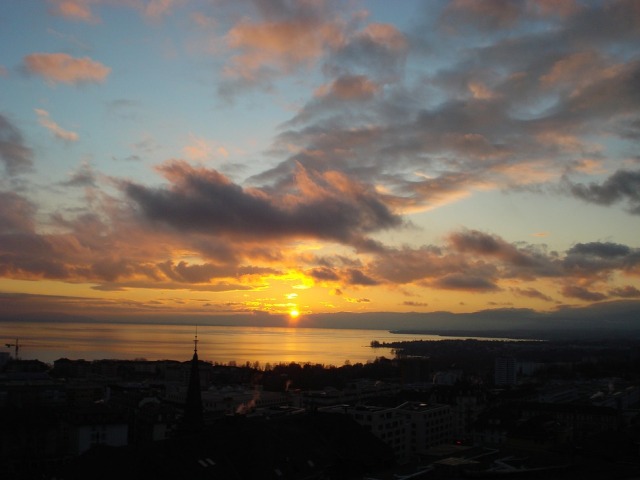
49	341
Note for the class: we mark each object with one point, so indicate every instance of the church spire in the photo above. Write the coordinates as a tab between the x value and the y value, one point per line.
193	404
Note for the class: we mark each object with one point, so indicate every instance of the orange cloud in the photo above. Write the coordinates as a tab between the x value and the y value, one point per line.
74	10
45	120
63	68
573	68
284	44
384	34
201	149
157	8
480	91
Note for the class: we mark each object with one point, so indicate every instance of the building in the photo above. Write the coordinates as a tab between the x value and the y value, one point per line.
388	424
95	425
356	392
505	371
429	425
410	428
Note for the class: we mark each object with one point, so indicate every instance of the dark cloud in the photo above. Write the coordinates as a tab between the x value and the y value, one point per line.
323	274
600	249
357	277
522	262
84	176
184	272
16	156
111	269
628	291
218	286
600	258
624	185
328	206
379	50
574	291
480	261
409	265
415	304
470	283
480	243
356	89
29	256
531	293
16	214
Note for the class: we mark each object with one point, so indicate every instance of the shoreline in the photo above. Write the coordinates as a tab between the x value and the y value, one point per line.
473	335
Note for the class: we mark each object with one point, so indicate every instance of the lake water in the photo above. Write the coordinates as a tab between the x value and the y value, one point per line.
49	341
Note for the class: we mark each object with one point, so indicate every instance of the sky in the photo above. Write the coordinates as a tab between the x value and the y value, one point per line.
283	159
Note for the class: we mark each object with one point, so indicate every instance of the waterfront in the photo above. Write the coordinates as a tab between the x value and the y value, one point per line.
222	344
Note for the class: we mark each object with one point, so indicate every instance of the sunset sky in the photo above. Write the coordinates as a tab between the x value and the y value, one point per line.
230	158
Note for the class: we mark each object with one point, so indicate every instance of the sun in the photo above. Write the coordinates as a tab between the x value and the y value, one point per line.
294	313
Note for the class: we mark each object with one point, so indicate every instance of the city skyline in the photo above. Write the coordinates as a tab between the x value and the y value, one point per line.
297	159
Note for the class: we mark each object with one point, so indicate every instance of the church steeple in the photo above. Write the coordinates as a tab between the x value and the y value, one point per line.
193	404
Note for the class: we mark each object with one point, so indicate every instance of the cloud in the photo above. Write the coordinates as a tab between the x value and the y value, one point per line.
575	70
484	244
415	304
342	91
84	176
81	10
156	9
477	261
184	272
357	277
598	259
469	283
284	38
488	14
327	205
378	49
350	87
16	213
623	185
63	68
519	261
45	120
628	291
201	149
600	249
323	274
74	10
574	291
531	293
15	155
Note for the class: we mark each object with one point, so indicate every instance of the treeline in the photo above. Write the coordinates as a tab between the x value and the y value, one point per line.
306	376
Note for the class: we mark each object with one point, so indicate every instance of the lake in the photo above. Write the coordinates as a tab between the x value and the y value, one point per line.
222	344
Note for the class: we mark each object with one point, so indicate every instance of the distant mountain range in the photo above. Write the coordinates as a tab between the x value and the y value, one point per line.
607	319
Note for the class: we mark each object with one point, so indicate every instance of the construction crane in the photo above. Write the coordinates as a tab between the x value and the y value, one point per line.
17	348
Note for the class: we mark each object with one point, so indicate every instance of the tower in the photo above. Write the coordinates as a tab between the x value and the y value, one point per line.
193	404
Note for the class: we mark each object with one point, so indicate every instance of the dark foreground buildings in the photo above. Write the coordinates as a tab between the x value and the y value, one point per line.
314	446
447	410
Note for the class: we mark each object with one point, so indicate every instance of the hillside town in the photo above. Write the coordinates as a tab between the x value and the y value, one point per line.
438	409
